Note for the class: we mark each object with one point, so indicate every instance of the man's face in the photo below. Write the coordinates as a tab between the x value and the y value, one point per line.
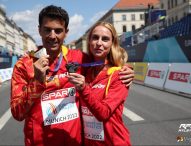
52	32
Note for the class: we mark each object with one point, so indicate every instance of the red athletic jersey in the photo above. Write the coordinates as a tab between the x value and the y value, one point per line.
102	114
50	111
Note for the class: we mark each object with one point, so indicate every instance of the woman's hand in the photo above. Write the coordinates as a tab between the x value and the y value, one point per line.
127	75
77	79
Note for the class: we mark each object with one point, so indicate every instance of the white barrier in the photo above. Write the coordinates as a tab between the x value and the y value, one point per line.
179	78
156	74
2	74
10	71
6	74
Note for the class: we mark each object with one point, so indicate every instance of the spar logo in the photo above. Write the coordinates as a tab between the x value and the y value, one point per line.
180	77
156	74
63	93
51	110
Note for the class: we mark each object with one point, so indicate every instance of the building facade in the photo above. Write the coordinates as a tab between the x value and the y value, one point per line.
30	43
13	40
81	44
2	30
126	16
176	9
10	39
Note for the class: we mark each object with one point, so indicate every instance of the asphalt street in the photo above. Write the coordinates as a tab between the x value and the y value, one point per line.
153	117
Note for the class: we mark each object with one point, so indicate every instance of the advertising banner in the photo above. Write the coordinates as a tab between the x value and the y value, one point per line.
2	75
179	78
6	74
156	74
140	72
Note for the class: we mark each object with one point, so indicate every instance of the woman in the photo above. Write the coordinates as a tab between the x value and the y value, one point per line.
103	95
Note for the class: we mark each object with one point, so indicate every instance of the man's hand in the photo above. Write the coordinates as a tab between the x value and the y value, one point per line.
127	75
40	68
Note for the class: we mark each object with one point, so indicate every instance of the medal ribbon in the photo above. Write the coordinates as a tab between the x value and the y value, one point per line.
97	63
62	54
87	64
57	66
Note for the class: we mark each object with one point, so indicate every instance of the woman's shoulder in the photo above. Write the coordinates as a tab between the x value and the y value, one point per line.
113	70
113	74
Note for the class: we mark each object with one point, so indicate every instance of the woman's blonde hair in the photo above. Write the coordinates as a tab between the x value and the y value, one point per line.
117	56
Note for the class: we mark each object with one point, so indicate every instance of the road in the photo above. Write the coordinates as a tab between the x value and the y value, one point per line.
152	116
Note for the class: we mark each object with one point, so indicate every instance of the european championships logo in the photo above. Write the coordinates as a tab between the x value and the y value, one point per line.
184	128
51	110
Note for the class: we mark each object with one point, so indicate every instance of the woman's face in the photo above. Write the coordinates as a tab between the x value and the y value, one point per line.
100	42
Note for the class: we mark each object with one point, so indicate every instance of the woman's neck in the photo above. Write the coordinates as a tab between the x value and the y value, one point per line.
97	69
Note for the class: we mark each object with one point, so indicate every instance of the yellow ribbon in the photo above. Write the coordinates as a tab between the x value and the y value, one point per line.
110	72
65	52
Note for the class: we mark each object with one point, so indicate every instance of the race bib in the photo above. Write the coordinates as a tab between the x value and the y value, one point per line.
59	106
93	129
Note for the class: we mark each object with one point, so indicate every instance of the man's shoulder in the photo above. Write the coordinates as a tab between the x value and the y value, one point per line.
24	61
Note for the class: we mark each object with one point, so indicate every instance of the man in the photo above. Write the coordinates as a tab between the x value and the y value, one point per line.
41	94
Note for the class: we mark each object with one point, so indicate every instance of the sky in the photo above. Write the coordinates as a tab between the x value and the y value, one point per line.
83	14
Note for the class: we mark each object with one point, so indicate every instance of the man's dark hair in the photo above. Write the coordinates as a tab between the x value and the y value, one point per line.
55	13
